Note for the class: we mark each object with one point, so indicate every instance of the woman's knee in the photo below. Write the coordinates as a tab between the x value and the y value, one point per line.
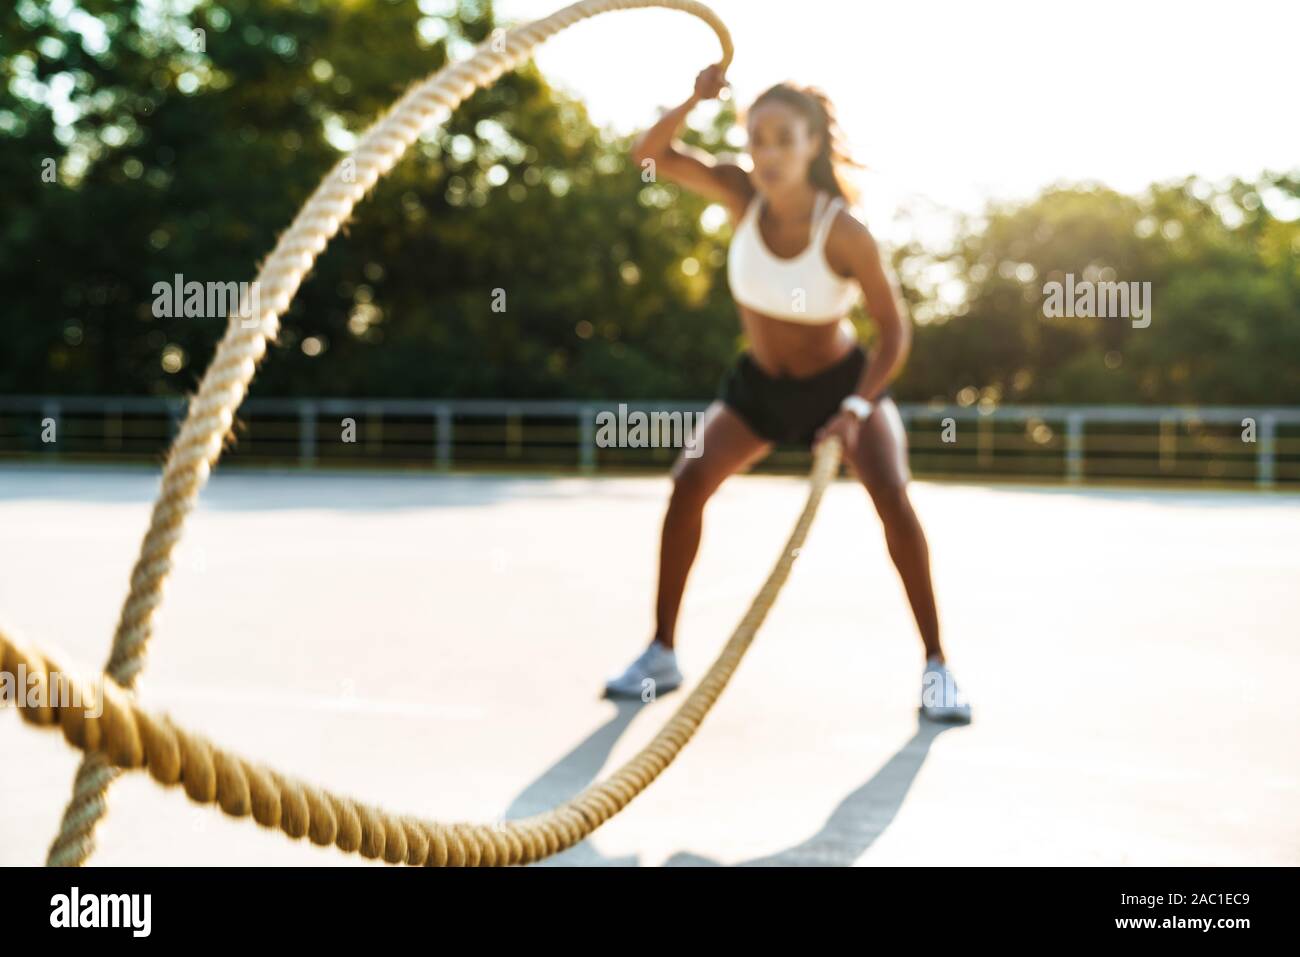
692	486
892	502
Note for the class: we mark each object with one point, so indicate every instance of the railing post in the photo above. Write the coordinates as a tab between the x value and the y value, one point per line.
1168	444
174	418
1074	447
1264	473
514	433
374	428
442	441
113	426
306	434
586	439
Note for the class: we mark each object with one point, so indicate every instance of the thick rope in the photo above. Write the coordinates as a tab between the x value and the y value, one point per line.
125	735
198	444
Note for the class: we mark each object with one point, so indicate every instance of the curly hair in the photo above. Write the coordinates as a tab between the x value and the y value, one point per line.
828	168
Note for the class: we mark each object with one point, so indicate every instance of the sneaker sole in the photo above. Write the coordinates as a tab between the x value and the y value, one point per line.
946	717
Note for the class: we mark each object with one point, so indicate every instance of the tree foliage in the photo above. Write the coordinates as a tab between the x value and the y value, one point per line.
184	136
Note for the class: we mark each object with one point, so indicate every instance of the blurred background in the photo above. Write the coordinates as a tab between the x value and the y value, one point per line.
1006	147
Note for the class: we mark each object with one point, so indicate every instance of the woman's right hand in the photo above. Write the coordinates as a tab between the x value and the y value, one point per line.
709	82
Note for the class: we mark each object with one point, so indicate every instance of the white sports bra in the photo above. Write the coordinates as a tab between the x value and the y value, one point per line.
801	289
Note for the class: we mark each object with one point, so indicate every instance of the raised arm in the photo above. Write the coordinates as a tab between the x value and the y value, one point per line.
693	168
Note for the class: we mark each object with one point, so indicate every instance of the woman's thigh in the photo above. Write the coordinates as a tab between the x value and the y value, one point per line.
880	458
725	445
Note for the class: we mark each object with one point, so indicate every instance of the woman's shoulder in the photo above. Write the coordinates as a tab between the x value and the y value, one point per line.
845	221
740	189
844	212
847	238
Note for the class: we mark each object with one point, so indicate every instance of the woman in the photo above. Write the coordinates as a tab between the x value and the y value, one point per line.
797	263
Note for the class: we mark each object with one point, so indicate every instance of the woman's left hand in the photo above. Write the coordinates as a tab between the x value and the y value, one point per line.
843	424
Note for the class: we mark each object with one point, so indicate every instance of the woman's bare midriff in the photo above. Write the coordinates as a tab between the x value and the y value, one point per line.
797	350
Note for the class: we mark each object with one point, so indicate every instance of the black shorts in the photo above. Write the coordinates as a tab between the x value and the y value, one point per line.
785	409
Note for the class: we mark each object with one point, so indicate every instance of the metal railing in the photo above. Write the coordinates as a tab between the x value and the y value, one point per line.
1246	445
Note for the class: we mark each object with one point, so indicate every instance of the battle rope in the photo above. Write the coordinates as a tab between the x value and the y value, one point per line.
124	735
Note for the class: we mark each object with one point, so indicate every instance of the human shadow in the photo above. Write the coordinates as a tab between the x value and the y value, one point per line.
862	816
567	777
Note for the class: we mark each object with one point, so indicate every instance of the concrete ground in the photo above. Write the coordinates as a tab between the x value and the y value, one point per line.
438	645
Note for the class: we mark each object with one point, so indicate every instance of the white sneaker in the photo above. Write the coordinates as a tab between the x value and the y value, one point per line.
652	673
941	699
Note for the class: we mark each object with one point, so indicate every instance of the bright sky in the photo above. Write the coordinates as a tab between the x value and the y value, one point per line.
952	102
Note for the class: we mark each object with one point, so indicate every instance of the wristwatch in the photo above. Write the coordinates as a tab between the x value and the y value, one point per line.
859	406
